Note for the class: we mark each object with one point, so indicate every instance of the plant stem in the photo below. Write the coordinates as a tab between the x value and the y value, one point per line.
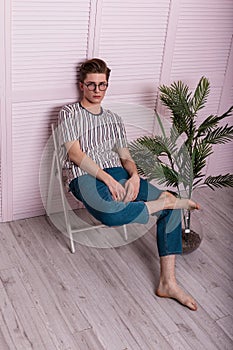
187	225
160	123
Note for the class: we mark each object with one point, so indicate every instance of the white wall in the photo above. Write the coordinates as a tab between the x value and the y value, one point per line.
145	43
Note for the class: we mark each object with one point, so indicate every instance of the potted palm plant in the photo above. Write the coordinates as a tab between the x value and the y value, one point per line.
177	157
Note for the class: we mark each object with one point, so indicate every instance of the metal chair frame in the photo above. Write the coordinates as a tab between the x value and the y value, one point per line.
56	173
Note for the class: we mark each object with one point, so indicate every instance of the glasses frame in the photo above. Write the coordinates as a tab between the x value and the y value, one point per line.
105	85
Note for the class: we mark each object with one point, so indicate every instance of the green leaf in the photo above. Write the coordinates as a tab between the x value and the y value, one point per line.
158	145
164	174
177	99
200	95
183	164
222	134
211	122
199	179
199	156
174	135
219	181
144	159
145	152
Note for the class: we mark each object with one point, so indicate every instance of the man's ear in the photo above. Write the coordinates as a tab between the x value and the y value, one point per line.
81	86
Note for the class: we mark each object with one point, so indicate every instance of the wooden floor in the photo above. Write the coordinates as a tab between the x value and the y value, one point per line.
104	298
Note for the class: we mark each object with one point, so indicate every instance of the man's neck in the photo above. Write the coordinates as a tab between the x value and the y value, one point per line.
94	108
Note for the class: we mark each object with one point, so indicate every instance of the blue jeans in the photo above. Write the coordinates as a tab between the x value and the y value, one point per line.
98	200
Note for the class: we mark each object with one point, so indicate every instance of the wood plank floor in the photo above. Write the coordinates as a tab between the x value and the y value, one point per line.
100	299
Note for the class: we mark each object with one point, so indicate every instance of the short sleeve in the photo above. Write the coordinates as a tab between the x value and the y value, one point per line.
68	125
121	141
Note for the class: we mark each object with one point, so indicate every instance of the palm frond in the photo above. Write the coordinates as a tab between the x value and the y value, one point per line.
164	174
199	157
197	181
169	146
207	125
177	99
222	134
183	164
200	95
219	181
142	157
146	145
182	124
158	145
211	122
145	154
174	134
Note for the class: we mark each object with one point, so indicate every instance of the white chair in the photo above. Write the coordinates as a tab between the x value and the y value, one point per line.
59	156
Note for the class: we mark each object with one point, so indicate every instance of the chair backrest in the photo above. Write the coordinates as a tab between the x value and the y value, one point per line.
61	157
61	151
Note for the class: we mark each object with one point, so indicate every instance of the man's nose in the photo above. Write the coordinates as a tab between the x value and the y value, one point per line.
97	87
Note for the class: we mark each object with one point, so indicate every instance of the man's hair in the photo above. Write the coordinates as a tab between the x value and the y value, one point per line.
95	65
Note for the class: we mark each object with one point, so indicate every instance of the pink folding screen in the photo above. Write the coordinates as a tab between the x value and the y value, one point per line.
145	43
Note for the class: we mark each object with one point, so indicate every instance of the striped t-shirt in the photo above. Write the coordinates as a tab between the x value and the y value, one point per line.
99	135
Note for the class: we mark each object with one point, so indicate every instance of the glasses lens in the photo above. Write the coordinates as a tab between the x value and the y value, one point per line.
103	86
91	86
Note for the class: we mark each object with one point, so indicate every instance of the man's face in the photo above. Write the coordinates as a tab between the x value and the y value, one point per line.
96	81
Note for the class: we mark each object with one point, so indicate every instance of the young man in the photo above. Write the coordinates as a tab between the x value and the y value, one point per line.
105	178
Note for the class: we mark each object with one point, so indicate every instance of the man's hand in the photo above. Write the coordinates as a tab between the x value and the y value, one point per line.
132	188
117	190
77	156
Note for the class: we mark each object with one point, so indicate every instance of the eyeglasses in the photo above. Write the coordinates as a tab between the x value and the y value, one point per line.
92	86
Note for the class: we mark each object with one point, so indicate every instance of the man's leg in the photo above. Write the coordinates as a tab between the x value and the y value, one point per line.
99	202
158	201
168	287
169	241
168	201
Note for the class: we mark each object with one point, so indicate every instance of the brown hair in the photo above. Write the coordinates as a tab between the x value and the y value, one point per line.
95	65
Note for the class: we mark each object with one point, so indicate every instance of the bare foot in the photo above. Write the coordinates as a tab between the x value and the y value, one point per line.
171	202
173	291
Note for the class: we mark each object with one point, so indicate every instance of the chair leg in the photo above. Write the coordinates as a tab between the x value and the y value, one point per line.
51	185
65	208
125	233
72	247
67	221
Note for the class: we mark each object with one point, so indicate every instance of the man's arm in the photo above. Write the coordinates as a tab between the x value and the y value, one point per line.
127	161
133	184
80	158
